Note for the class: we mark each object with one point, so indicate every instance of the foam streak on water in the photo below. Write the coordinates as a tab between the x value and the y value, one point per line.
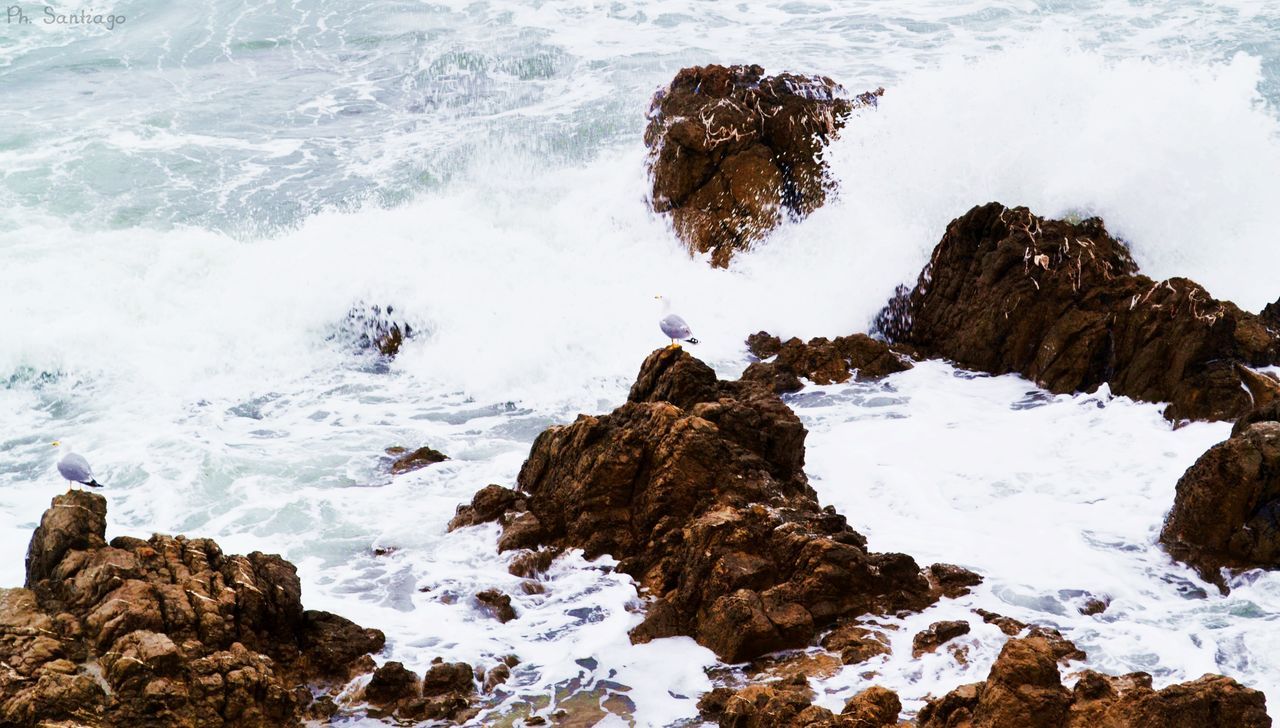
192	208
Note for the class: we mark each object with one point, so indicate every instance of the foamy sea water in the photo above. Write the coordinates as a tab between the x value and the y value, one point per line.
190	204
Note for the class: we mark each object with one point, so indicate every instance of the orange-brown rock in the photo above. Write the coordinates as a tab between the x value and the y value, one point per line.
788	703
1024	690
732	151
164	632
697	487
1063	304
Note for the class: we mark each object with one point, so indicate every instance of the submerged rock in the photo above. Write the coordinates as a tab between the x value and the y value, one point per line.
1226	512
732	150
181	634
1024	690
697	487
377	328
821	361
407	460
1063	304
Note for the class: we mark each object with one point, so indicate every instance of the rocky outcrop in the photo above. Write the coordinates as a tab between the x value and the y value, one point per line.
731	151
1063	304
697	487
164	632
406	460
1226	511
820	360
377	328
788	703
1024	690
936	635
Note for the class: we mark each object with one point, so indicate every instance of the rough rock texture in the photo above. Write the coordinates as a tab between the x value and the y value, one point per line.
1226	512
732	150
182	635
822	361
496	604
1063	304
788	703
408	460
445	693
697	487
856	643
937	634
1024	690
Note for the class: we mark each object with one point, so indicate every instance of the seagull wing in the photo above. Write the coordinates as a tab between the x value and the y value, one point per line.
75	468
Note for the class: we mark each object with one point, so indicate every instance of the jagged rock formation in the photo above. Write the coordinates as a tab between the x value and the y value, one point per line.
821	361
406	460
1024	690
1063	304
732	151
1226	512
789	704
697	487
164	632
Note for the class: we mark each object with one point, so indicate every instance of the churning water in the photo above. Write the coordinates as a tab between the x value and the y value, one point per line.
191	202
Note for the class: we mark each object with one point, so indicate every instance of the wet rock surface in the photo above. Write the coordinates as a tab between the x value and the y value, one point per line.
163	632
936	635
1226	511
788	703
1063	304
377	328
697	487
406	460
1024	690
732	151
820	360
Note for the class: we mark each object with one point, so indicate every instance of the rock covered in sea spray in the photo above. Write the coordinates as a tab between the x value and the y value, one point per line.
1025	690
731	151
375	327
1063	304
697	486
167	631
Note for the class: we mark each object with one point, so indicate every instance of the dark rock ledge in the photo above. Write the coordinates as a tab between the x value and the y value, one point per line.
1063	304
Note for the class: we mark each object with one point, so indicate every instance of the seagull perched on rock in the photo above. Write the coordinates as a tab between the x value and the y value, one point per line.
75	468
673	326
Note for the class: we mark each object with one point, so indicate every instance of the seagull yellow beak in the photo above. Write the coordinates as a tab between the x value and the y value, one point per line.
55	443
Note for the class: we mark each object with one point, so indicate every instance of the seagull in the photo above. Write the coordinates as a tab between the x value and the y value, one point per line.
673	326
76	469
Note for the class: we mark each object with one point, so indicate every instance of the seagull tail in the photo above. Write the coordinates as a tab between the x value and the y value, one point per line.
691	341
93	484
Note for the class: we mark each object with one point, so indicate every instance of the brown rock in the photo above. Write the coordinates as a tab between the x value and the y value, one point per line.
697	486
392	683
731	151
1227	504
496	604
182	634
788	703
936	635
1024	690
408	461
875	707
488	504
825	362
856	643
1064	305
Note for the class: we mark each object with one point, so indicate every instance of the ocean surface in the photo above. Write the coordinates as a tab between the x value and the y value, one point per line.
192	201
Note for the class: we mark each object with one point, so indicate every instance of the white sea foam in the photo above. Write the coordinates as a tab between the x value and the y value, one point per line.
197	370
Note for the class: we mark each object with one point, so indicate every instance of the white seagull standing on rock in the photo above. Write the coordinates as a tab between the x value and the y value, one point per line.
673	326
75	469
